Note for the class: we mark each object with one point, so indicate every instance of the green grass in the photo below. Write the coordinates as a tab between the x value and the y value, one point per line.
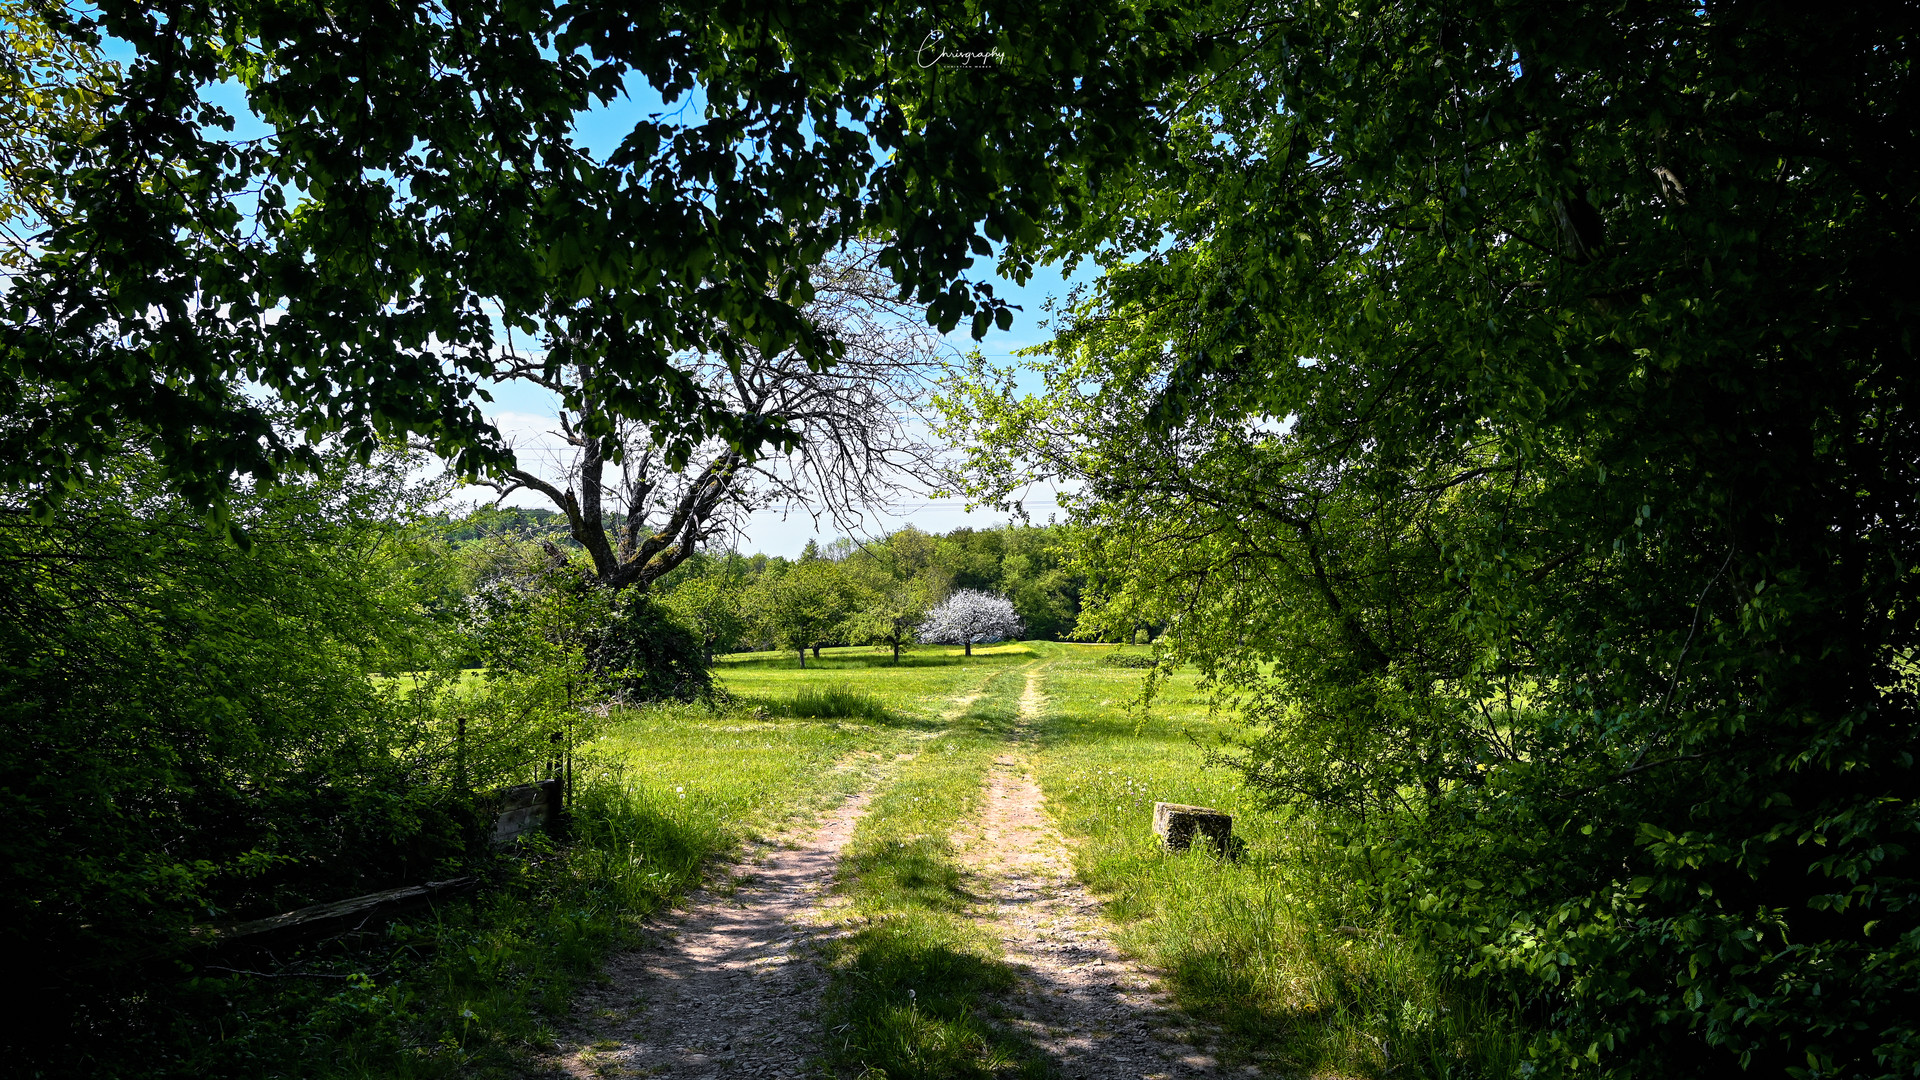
911	696
740	771
474	988
665	790
912	982
831	703
1262	944
669	789
863	657
468	681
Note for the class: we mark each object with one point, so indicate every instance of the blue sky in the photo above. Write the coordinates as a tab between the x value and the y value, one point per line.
527	413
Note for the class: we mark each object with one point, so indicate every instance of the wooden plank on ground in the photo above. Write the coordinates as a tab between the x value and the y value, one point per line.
319	919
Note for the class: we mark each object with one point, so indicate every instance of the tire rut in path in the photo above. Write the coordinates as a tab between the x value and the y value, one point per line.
1096	1013
729	987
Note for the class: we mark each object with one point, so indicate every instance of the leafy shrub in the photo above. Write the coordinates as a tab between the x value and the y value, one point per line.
188	734
1127	660
648	654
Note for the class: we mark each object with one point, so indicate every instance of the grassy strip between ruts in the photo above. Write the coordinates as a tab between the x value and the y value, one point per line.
911	980
474	989
1263	944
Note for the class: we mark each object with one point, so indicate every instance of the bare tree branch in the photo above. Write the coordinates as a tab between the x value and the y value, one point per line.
858	426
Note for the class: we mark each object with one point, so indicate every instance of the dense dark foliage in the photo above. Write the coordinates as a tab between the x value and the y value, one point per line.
647	654
1531	451
419	190
188	735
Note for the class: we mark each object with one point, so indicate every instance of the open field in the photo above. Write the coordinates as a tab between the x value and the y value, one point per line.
664	790
1261	947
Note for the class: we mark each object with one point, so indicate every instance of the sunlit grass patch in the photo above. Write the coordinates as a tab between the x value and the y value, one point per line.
910	981
737	765
861	657
474	988
832	702
915	696
464	682
1265	944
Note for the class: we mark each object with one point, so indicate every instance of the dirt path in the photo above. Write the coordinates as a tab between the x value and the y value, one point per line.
1099	1015
730	986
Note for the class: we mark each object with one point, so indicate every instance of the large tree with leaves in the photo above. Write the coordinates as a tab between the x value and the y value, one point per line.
1517	409
419	196
53	89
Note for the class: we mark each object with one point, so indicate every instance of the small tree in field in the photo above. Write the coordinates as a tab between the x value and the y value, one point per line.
970	615
713	607
894	613
804	604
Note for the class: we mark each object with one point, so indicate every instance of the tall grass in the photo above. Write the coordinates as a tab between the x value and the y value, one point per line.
1268	944
825	703
475	987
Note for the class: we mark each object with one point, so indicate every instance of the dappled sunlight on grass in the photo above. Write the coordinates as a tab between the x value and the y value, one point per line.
910	978
1263	944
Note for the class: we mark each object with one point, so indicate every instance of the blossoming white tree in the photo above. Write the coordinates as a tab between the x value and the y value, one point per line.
970	615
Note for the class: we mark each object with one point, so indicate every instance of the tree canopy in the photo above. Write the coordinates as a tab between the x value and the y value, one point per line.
1514	411
421	205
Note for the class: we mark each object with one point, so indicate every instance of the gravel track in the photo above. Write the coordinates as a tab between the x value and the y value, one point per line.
731	985
728	987
1097	1014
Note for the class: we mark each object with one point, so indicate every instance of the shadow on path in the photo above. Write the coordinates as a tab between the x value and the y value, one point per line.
728	988
1093	1012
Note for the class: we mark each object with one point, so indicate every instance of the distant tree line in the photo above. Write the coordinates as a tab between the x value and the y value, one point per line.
879	592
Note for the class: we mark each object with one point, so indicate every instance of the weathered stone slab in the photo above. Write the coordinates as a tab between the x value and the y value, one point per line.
1177	823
